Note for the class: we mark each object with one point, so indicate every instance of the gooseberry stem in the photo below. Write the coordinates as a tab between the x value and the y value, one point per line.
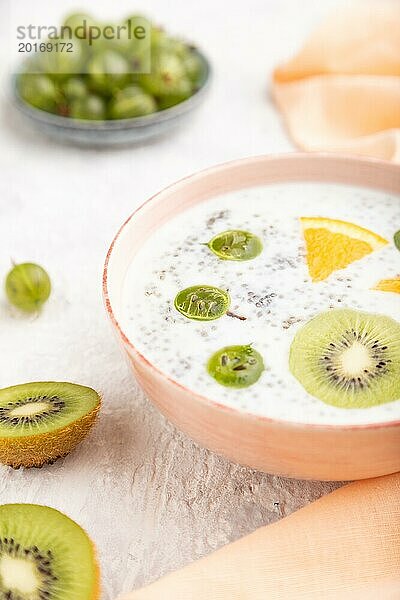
235	316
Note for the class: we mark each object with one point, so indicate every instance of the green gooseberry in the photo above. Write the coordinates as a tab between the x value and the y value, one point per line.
178	47
194	67
132	102
79	24
137	19
91	107
61	64
236	366
184	92
108	71
202	302
114	39
74	88
39	91
174	46
140	50
396	239
166	75
162	42
236	245
28	287
158	38
121	36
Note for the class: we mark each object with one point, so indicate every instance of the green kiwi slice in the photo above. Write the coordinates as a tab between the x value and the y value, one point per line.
40	422
348	358
44	555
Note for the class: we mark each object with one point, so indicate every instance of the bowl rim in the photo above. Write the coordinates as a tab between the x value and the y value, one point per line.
114	124
204	173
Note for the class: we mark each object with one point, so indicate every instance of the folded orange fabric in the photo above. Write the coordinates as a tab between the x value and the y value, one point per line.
341	92
345	546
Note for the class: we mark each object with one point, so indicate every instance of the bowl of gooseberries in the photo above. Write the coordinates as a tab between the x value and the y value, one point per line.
93	88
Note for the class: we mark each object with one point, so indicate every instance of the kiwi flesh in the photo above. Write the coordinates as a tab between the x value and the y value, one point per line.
44	555
348	358
41	422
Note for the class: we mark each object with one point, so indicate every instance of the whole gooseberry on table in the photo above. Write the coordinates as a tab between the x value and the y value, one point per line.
28	287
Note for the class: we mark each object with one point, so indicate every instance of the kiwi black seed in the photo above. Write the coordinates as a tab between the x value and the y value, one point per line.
44	555
348	358
41	422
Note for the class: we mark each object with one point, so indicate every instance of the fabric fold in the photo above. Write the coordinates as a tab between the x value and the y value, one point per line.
345	545
341	92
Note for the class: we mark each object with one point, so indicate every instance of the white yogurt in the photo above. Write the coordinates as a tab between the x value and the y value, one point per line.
274	292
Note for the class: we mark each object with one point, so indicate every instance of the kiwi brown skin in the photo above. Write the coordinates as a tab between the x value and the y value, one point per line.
97	587
46	448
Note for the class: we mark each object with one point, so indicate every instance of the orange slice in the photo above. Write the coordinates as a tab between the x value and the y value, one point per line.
389	285
332	244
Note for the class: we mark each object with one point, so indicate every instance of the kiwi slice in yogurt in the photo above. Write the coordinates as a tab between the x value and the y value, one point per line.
348	358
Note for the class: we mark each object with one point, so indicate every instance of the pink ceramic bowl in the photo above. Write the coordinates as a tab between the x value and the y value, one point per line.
334	452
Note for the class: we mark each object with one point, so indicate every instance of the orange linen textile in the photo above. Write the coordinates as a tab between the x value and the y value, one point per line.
344	546
341	92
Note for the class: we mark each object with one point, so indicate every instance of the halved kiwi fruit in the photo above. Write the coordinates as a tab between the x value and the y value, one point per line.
44	555
40	422
348	358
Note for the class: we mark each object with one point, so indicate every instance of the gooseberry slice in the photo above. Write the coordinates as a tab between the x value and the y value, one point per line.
396	239
202	302
236	366
235	244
